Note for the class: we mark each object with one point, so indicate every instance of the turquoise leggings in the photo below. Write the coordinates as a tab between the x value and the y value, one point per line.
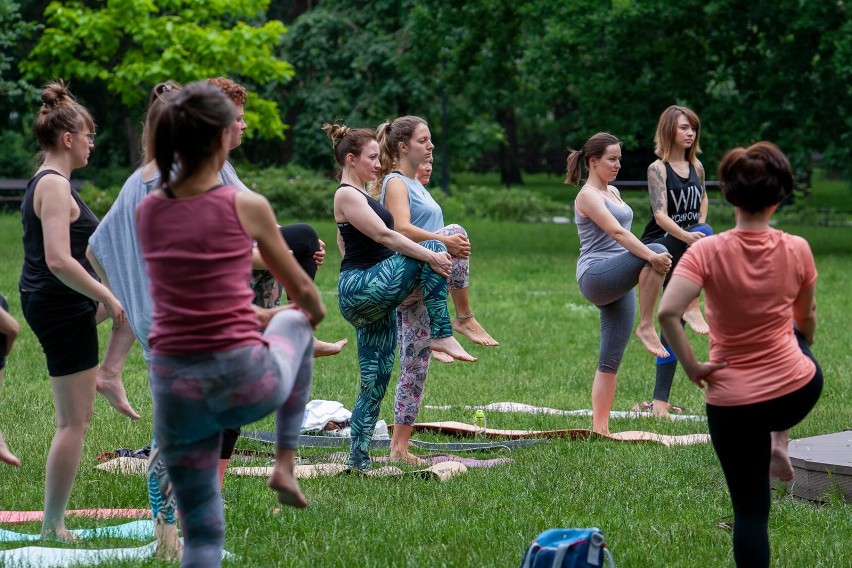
368	300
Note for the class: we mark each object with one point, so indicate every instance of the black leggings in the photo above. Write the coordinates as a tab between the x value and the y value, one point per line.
741	438
304	242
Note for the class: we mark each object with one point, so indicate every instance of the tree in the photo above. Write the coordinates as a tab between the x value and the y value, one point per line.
129	45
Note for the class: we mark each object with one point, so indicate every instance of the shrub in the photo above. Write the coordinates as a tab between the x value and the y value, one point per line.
296	194
99	200
498	204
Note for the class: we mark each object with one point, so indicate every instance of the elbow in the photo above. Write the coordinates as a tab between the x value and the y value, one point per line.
56	266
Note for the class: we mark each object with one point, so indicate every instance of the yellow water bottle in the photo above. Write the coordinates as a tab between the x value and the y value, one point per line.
479	422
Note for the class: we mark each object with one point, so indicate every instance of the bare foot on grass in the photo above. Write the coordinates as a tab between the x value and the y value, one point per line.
7	456
660	409
326	349
169	546
442	357
283	479
59	535
696	321
451	347
648	337
112	389
471	329
405	457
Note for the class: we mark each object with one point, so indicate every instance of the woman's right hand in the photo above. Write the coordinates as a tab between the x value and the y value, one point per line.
692	236
458	245
441	262
115	311
661	262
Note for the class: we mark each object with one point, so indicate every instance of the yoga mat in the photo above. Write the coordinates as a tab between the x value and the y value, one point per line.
18	517
137	530
46	557
530	409
125	465
441	471
462	429
306	441
467	462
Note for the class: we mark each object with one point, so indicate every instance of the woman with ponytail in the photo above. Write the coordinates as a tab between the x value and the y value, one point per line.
211	368
406	144
612	262
380	269
61	298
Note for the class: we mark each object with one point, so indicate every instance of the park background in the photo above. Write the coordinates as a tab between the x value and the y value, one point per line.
507	87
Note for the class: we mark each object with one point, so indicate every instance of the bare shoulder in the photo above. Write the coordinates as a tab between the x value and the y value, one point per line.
587	199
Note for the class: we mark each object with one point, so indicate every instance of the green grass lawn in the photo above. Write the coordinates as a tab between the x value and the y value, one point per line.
657	506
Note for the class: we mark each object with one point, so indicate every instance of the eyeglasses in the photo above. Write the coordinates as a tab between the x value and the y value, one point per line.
90	136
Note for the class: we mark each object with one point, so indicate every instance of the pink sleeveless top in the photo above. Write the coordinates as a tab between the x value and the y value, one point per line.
198	258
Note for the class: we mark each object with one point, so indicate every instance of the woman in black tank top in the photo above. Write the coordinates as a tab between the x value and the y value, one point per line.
678	213
60	294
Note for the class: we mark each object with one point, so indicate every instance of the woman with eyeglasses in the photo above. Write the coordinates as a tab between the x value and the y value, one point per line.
61	298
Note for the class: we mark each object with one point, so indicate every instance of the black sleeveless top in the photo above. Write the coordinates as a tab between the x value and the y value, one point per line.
36	276
683	199
361	252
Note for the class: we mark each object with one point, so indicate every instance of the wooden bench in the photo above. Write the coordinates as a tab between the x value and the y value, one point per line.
12	191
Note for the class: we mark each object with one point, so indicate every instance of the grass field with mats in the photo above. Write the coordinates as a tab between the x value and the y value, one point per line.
657	506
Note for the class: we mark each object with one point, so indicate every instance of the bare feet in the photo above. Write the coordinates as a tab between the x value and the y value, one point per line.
660	409
780	466
442	357
471	329
169	546
326	349
6	456
283	479
451	347
59	535
112	389
696	321
648	337
405	456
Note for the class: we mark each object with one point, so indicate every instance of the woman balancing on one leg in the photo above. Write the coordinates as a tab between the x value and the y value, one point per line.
374	280
678	214
611	263
405	144
60	293
211	368
761	379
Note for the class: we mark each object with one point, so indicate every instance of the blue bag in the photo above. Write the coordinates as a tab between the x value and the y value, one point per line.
568	548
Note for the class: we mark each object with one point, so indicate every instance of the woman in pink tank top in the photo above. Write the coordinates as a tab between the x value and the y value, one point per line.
211	368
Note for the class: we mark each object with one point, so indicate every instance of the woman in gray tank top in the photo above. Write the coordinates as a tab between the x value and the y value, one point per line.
612	262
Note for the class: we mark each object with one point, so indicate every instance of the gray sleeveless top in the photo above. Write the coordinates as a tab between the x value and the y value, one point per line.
595	244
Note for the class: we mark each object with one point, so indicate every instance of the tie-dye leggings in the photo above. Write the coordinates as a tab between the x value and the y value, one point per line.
368	300
197	396
414	336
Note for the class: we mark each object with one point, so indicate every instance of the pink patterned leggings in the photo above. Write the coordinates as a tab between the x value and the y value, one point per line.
414	336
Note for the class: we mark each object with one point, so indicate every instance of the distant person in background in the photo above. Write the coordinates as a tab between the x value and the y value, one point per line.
9	329
380	269
678	214
612	262
761	378
406	154
61	298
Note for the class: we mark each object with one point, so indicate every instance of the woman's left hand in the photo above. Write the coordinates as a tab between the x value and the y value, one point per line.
458	245
702	371
319	256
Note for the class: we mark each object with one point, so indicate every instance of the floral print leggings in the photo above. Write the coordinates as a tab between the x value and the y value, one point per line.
368	300
414	336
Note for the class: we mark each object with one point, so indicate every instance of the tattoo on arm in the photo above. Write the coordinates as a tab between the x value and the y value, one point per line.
656	188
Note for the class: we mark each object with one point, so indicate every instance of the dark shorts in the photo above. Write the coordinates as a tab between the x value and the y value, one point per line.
5	306
66	329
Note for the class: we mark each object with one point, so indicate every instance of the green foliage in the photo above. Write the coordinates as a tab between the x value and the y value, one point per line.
130	45
295	193
17	160
498	204
99	200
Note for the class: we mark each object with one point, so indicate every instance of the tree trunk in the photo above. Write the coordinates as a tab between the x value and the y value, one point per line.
131	135
510	170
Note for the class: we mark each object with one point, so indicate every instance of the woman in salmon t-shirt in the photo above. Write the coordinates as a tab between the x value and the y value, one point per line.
762	379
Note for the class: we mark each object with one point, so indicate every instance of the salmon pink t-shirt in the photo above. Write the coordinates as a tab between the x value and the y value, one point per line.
750	280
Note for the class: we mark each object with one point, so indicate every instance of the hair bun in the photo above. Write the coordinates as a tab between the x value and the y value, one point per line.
55	94
335	131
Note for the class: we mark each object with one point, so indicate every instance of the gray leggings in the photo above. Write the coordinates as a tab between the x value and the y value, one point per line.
609	285
197	396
